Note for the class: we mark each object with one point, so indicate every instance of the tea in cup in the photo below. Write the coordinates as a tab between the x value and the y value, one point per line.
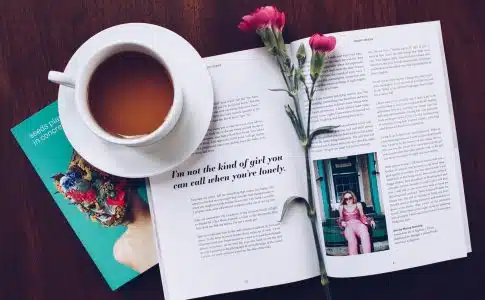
126	94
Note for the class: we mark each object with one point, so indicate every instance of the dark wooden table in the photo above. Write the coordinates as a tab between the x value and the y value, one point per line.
41	258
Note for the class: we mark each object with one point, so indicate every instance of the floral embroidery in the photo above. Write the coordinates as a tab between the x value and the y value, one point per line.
102	197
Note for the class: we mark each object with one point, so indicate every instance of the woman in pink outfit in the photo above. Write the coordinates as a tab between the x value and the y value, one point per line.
354	223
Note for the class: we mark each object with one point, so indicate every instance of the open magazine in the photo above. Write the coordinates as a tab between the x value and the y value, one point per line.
393	159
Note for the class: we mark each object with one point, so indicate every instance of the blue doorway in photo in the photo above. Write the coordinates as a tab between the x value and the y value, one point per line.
359	174
345	176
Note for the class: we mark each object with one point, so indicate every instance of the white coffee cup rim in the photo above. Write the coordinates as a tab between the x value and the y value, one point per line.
81	90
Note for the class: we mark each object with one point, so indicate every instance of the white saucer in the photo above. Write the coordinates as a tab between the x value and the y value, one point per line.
173	149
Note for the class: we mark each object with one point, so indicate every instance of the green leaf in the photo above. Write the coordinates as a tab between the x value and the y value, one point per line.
295	122
290	78
281	90
301	55
319	131
294	200
295	78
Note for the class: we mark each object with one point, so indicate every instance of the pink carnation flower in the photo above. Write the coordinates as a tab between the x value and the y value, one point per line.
266	16
321	43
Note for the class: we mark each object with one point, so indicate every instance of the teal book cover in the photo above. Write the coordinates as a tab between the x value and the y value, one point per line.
109	214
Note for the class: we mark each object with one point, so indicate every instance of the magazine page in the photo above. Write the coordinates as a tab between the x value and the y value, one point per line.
115	230
388	180
217	215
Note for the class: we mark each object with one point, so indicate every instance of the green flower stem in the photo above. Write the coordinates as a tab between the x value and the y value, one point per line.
312	215
294	121
311	211
292	93
278	58
298	114
308	119
323	270
310	100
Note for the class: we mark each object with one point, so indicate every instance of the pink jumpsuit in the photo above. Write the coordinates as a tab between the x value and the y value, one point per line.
356	227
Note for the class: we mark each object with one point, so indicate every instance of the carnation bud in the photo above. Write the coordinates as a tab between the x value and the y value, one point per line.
301	55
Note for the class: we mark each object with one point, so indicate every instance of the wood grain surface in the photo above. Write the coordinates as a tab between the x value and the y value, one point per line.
40	256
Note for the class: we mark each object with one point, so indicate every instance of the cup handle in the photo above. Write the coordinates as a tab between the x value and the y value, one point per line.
61	78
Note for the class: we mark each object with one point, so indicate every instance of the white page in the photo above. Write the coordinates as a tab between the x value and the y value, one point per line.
189	222
458	172
374	90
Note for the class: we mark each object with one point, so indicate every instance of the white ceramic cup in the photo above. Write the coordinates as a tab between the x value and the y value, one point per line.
80	83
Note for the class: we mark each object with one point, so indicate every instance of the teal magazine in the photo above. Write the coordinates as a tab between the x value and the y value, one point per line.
109	214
